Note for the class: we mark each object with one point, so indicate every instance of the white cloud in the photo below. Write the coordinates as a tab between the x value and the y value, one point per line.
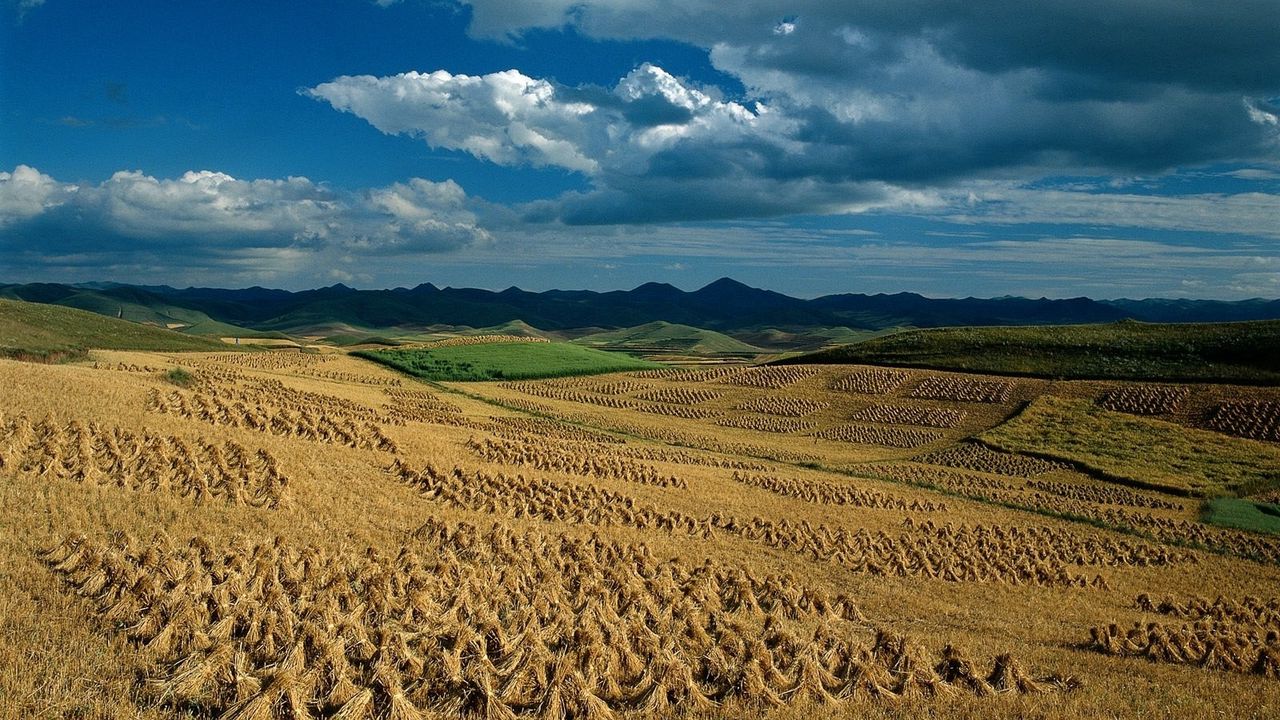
205	214
421	210
205	203
27	192
511	119
504	117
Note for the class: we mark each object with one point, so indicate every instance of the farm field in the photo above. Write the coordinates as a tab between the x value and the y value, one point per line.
293	535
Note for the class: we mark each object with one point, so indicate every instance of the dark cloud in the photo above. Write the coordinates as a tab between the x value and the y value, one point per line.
1215	46
841	95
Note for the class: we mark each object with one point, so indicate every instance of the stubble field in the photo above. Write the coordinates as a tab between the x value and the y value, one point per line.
297	536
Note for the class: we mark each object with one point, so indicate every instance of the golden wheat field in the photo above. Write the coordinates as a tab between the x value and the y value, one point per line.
315	536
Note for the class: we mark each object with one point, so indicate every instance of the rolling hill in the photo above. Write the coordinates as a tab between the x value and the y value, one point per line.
725	306
664	338
51	332
1246	352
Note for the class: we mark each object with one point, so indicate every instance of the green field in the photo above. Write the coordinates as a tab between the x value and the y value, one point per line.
33	331
1243	514
505	361
1140	451
1226	352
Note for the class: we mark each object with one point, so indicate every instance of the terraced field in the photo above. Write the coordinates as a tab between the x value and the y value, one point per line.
318	536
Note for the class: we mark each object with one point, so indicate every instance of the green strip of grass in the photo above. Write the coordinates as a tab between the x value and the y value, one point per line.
504	361
1140	451
1243	514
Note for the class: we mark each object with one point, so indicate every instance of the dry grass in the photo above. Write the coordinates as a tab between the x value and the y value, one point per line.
484	563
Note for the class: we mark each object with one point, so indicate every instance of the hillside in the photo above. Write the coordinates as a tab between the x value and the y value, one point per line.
1246	352
50	332
664	338
504	361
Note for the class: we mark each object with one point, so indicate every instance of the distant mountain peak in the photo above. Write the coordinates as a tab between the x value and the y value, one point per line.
726	283
651	285
657	291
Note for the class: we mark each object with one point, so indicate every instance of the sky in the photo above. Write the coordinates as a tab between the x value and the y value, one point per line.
1117	148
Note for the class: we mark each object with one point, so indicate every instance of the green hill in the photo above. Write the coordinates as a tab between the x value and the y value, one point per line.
1246	352
517	328
504	361
217	329
806	339
53	332
660	338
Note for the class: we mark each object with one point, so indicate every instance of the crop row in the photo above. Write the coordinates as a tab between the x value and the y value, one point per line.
679	395
272	360
876	435
112	457
1223	635
495	625
784	405
316	425
771	377
1144	399
1255	419
910	415
966	554
828	493
871	382
585	460
980	458
963	390
766	424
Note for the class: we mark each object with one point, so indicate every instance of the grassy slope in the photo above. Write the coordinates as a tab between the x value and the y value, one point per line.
662	336
1240	352
218	329
1144	451
505	361
1243	514
807	339
47	331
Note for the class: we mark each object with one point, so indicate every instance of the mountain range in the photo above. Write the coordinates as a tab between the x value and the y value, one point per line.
725	305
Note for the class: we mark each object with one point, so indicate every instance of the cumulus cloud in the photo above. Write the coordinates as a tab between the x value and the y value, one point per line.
1194	44
929	92
851	105
504	117
654	146
659	148
214	217
27	192
511	119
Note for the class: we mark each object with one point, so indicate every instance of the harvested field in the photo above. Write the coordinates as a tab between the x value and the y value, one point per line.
875	435
301	536
910	415
871	382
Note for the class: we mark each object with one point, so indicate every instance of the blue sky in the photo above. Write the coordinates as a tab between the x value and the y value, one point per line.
1126	148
